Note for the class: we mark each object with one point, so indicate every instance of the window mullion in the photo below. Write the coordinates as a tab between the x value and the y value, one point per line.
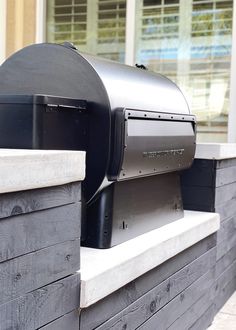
232	97
130	32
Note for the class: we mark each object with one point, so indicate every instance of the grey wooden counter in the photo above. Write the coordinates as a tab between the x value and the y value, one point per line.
40	208
210	185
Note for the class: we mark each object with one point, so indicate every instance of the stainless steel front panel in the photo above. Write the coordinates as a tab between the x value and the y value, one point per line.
145	204
157	146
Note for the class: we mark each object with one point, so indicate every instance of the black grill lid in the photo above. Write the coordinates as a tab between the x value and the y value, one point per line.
106	86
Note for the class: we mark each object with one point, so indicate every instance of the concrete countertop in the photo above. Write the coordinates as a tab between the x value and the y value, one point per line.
30	169
216	151
104	271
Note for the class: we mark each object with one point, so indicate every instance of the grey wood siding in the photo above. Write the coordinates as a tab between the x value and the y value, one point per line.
39	258
119	301
217	178
135	303
186	291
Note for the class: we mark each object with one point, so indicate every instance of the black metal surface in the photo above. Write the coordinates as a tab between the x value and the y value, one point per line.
61	71
98	223
132	123
43	122
127	209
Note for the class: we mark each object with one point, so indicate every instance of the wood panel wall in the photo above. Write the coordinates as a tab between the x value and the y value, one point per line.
39	258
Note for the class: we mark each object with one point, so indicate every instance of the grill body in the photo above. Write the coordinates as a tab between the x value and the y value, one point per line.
134	125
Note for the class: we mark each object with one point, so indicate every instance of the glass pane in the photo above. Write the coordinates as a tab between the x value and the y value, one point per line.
190	42
94	26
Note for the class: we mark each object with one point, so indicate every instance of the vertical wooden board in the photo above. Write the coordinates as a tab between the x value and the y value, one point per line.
142	309
38	199
41	306
30	232
34	270
225	176
205	320
192	314
69	321
176	307
201	173
106	308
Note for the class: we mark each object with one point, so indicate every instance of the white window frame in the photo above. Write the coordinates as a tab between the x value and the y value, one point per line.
130	32
232	96
40	35
130	51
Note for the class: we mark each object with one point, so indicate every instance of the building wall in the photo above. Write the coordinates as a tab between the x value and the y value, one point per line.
20	24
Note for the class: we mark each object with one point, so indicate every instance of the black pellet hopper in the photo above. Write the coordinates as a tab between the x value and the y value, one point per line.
134	125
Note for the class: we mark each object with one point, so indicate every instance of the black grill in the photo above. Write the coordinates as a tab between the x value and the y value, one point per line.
134	125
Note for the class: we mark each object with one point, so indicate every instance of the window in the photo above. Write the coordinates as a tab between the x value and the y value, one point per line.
94	26
189	41
67	20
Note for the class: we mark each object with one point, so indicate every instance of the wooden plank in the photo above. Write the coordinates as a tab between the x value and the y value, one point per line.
220	283
143	308
225	176
106	308
205	320
201	173
225	246
224	163
176	307
192	314
34	270
69	321
41	306
226	210
224	262
227	275
227	229
30	232
225	193
224	293
38	199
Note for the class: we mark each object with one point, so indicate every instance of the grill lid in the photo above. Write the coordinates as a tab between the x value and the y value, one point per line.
119	145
